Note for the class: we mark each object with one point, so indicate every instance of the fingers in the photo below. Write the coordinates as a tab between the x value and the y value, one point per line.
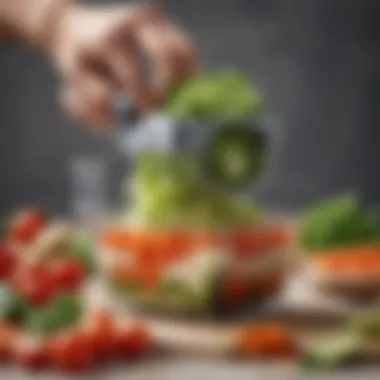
171	52
127	71
86	97
110	60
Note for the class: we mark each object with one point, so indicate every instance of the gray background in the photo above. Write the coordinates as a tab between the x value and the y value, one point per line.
316	61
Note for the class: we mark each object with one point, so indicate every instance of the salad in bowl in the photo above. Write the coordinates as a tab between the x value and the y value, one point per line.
188	239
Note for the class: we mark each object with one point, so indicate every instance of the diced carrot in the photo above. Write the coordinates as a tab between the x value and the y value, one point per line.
355	260
171	245
122	273
116	238
265	340
205	239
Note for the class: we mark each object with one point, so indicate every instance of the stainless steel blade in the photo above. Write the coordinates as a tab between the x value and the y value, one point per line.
157	132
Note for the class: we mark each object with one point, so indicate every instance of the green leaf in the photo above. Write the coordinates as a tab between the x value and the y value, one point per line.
64	311
214	95
82	249
337	221
12	307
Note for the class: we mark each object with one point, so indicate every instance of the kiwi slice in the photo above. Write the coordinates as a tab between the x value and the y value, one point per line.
236	152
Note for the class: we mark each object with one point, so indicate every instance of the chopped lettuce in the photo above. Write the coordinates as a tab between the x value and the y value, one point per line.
175	190
166	191
215	95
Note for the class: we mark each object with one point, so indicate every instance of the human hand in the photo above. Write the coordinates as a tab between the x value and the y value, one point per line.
102	51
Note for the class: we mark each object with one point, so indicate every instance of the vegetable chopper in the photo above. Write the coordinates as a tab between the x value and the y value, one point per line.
231	150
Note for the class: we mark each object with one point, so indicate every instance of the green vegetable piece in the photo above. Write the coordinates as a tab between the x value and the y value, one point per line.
12	307
335	222
331	351
64	311
82	249
122	287
168	191
366	323
216	95
236	155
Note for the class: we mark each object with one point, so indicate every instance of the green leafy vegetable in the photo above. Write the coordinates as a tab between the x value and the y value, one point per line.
214	95
167	191
191	191
337	221
82	249
62	312
12	307
331	351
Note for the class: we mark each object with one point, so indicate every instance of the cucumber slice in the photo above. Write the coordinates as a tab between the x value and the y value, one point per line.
235	157
332	351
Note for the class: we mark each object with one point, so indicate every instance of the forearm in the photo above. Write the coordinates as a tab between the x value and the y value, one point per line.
30	20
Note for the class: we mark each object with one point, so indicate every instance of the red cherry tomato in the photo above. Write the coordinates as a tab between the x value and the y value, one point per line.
31	353
8	336
100	330
72	352
69	273
8	261
34	284
133	342
26	225
235	289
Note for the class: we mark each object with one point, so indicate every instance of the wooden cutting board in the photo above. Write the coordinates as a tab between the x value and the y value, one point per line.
307	313
300	306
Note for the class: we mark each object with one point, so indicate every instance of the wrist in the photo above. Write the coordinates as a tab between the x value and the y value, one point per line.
33	20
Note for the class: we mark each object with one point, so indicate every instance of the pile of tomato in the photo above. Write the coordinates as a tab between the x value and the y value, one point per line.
37	284
98	340
89	339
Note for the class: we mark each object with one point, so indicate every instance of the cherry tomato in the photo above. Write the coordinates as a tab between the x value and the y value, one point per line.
132	342
8	336
68	273
235	289
31	353
100	330
34	284
72	352
26	225
8	261
245	242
